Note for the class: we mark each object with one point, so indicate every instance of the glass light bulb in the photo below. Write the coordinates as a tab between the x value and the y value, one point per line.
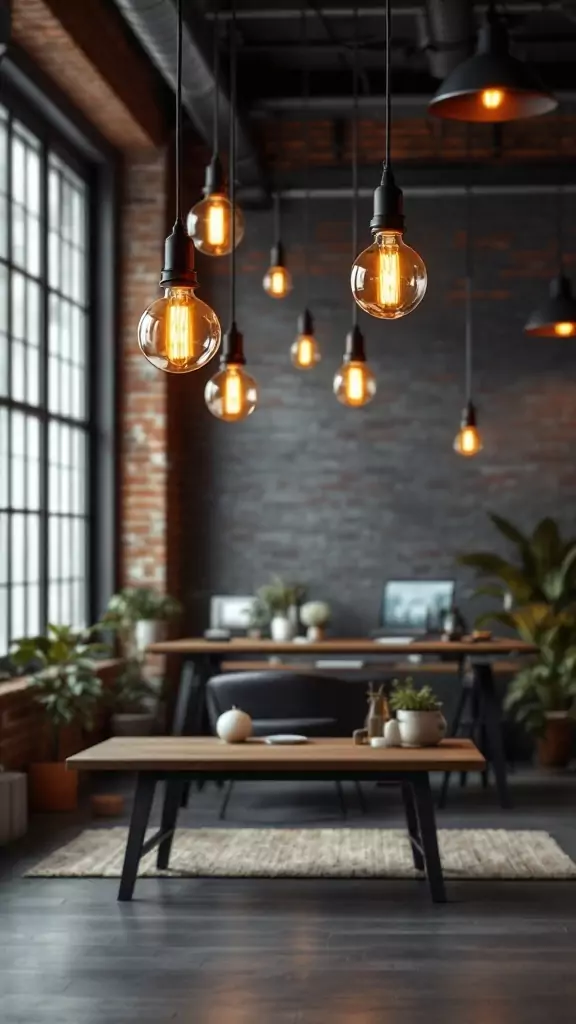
389	278
209	224
492	98
468	441
305	352
277	282
179	333
564	330
231	394
354	384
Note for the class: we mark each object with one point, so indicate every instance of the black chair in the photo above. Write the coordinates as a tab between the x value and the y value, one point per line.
290	702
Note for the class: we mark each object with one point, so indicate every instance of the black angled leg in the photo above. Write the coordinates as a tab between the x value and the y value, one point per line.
427	826
145	786
172	803
226	800
491	712
412	825
341	798
453	731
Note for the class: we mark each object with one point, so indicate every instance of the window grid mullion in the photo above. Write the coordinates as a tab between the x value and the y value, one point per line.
44	423
9	371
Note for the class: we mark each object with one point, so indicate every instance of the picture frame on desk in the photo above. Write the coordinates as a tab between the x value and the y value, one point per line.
416	607
231	613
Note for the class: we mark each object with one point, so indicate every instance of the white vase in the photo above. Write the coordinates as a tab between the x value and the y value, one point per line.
391	733
149	631
234	726
421	728
281	629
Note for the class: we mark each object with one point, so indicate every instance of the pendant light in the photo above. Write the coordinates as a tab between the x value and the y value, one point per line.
492	85
468	441
354	382
305	351
179	333
389	278
277	281
209	222
556	317
232	393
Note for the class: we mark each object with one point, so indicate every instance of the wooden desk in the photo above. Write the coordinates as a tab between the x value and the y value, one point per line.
178	760
202	659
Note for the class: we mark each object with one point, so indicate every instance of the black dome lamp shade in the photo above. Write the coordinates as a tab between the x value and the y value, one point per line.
492	85
556	317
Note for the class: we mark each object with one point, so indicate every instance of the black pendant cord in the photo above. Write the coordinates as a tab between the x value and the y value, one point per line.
216	66
355	157
232	157
468	297
277	220
388	20
560	228
178	155
306	115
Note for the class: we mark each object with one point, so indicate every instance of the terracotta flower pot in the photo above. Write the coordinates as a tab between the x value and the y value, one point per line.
556	745
52	787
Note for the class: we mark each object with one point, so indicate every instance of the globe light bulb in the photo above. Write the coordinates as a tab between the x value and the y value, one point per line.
231	394
492	98
468	441
354	384
209	224
389	278
277	282
564	330
178	332
305	351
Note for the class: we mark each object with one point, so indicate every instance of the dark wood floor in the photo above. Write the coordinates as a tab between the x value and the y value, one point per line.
295	952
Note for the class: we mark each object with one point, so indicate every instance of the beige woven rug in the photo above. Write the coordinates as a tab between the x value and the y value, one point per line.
316	853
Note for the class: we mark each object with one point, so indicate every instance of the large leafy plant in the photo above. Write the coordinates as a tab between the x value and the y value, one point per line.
549	684
543	570
63	674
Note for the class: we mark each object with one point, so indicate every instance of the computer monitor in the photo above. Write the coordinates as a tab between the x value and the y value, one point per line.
416	606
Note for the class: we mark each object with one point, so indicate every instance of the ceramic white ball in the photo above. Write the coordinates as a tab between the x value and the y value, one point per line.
234	726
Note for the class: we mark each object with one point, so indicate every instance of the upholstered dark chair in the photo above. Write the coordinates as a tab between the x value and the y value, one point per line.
290	702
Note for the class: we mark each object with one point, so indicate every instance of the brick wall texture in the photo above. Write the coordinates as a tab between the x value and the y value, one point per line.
343	499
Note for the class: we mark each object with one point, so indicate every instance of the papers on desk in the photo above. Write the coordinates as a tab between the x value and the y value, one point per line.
339	663
393	640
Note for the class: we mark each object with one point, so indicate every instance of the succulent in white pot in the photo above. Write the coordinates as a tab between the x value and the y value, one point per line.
420	720
315	615
280	600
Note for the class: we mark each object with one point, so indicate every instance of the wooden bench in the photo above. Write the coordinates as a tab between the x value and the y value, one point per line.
177	760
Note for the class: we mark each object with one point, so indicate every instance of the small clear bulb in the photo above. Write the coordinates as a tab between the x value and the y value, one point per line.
232	394
354	384
209	224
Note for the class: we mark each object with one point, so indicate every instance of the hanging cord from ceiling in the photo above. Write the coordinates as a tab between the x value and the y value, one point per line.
355	157
232	162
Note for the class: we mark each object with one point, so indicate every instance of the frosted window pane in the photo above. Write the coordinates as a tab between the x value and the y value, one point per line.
33	609
3	547
18	545
54	198
33	313
54	549
17	462
54	260
33	548
18	306
53	384
54	603
18	170
33	245
33	381
19	371
3	156
4	638
18	234
18	604
66	549
3	226
33	190
3	364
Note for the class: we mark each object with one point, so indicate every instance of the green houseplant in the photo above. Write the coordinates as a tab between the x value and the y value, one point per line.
138	616
281	601
66	685
418	713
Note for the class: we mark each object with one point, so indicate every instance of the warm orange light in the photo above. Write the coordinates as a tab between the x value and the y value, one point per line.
564	330
468	441
388	279
209	224
277	282
178	332
354	384
389	276
305	352
231	394
492	98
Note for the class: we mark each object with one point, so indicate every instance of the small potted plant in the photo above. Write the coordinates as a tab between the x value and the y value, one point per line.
65	684
139	616
315	615
133	696
418	714
281	600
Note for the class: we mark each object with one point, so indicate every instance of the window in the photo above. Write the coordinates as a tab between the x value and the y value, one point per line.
45	423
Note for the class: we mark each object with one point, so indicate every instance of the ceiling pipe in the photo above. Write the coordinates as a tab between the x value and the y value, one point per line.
451	35
154	24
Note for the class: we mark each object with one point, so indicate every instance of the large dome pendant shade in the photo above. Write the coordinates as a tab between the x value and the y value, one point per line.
556	317
492	85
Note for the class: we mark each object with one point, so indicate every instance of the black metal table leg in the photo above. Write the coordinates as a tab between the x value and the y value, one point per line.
453	731
491	716
172	801
412	825
143	797
420	783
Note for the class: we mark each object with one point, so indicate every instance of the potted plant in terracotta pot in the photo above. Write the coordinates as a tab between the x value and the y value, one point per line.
133	698
418	714
281	601
139	616
65	684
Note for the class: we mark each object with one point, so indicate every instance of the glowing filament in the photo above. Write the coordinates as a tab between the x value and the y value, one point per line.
305	355
355	385
179	336
492	98
277	282
468	441
232	398
564	330
389	277
216	224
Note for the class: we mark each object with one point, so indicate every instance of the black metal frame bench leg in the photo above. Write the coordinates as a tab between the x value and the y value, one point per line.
143	798
172	803
412	825
423	799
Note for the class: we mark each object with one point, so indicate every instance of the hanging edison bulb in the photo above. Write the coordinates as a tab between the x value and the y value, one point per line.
232	394
389	278
277	281
468	441
209	222
354	382
178	332
305	351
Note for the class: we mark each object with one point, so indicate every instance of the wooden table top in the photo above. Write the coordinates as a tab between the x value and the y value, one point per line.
498	646
206	754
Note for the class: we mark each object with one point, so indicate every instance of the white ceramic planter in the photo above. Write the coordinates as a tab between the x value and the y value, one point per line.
281	629
421	728
140	723
149	631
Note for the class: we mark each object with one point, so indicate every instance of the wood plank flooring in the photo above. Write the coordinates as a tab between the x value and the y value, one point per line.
294	952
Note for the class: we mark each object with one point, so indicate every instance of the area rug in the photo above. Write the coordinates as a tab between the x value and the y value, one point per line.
315	853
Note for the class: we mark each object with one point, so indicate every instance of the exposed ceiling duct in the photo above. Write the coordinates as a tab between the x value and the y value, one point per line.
451	34
154	24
